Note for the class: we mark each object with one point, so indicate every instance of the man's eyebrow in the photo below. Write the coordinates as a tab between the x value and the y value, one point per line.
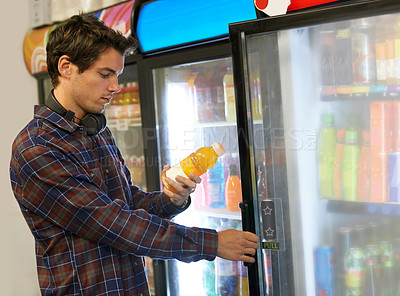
109	70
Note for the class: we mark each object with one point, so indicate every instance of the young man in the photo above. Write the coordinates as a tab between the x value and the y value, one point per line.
90	223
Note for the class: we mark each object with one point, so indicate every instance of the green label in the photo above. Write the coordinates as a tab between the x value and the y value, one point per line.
270	245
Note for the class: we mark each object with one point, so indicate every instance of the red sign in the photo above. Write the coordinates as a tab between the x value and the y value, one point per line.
300	4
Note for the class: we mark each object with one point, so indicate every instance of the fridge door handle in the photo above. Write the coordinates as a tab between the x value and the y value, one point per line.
246	222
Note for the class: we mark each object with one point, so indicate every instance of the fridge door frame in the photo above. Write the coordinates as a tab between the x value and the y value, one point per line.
215	50
238	33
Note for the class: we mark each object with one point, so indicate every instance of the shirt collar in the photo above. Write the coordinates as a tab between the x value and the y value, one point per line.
41	111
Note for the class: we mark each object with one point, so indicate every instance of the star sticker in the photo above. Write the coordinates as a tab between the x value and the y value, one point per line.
267	211
269	232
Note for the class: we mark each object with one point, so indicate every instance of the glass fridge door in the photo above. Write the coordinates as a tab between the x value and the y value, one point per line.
195	108
124	120
328	151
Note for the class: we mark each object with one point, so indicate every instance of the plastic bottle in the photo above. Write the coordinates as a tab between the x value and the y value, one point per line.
203	97
229	95
364	168
388	283
337	164
217	93
326	150
132	101
209	266
120	102
233	190
363	46
197	162
397	48
215	185
262	183
351	155
226	282
370	283
343	69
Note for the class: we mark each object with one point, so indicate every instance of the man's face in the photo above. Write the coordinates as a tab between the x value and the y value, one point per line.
93	89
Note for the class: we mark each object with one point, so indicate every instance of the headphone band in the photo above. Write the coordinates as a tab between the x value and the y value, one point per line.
94	123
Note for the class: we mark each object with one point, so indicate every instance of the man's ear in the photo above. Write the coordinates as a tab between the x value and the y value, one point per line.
65	66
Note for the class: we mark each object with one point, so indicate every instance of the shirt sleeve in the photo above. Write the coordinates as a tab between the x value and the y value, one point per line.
59	190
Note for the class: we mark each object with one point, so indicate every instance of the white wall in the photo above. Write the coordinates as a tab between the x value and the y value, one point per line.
19	94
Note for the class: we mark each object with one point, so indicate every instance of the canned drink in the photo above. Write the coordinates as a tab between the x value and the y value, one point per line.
324	264
354	268
394	176
325	290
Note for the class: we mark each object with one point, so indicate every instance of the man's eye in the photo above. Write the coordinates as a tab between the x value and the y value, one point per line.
105	75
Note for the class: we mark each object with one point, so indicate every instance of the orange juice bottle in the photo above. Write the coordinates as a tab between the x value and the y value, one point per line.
364	169
337	164
233	190
197	163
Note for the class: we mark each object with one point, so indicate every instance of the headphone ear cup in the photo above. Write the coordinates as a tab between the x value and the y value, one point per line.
94	123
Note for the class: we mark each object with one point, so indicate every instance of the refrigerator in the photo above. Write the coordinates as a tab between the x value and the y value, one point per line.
186	80
328	143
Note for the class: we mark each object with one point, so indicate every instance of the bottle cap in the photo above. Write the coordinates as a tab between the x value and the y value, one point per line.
232	169
351	135
340	133
328	118
218	148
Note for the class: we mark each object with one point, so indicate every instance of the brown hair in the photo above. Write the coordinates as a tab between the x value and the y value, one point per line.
83	38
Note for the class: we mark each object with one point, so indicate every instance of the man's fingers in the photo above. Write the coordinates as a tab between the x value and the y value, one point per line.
250	236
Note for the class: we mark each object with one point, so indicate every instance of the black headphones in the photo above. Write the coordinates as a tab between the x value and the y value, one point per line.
94	123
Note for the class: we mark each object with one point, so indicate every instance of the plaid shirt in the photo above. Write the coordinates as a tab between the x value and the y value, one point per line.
91	224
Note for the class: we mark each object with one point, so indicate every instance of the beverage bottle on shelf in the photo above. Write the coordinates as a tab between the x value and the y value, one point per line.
209	266
327	41
380	118
243	280
115	103
120	102
394	176
380	49
192	78
262	183
233	190
354	268
229	95
371	282
351	155
364	169
203	97
217	93
387	281
226	282
397	48
256	100
132	100
215	185
354	125
337	163
363	47
326	150
343	54
197	162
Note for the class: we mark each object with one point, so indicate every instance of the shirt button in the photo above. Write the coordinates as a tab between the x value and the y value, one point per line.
91	175
107	171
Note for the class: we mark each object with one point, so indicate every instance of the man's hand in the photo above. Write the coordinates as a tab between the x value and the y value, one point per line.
237	245
182	185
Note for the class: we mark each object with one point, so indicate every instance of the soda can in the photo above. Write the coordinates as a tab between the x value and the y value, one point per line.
354	268
325	290
394	176
324	264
